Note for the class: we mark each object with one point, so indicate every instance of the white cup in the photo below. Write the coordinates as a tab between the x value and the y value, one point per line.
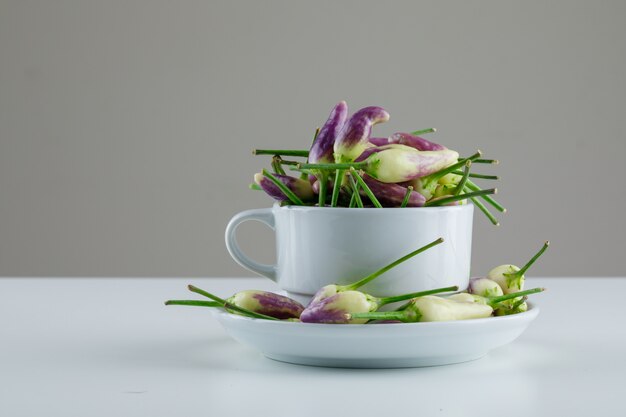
317	246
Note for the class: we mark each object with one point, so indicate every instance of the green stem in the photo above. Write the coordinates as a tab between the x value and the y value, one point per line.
488	199
282	152
483	161
317	132
355	192
497	300
461	185
481	176
446	200
276	165
286	162
423	131
381	271
518	303
365	188
352	201
288	193
387	300
228	305
460	164
407	196
332	167
322	178
336	187
255	186
485	211
193	303
380	315
529	263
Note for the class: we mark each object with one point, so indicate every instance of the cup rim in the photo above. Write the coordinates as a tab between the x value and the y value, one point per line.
372	209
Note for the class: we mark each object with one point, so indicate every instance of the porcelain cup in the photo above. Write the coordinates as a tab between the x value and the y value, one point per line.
317	246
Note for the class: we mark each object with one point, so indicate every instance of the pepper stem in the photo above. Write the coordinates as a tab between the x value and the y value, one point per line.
446	200
407	196
497	300
485	211
483	161
529	263
282	152
228	305
519	303
352	201
367	190
317	132
355	192
322	178
276	165
193	303
423	131
460	164
407	316
487	161
488	199
461	184
288	193
387	300
332	167
381	271
287	162
474	175
336	187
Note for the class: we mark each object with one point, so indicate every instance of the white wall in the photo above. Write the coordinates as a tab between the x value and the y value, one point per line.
126	126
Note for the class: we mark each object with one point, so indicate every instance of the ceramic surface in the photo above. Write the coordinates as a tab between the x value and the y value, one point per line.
321	246
376	345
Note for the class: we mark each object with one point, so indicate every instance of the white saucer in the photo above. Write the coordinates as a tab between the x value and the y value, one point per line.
400	345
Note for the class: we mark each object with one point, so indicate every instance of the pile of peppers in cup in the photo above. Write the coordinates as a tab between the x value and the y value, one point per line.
347	167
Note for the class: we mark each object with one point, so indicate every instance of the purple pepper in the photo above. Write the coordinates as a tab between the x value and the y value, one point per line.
334	309
369	152
267	303
322	148
392	195
354	137
379	141
416	142
301	188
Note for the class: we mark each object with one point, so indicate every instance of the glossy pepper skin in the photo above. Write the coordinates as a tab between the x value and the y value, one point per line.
323	147
416	142
392	195
485	287
379	141
267	303
301	188
400	163
354	137
334	308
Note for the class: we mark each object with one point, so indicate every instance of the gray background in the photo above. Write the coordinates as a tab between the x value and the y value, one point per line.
126	126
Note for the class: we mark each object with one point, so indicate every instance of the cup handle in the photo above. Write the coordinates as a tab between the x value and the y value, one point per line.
265	216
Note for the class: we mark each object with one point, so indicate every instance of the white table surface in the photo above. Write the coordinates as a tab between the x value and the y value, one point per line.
109	347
